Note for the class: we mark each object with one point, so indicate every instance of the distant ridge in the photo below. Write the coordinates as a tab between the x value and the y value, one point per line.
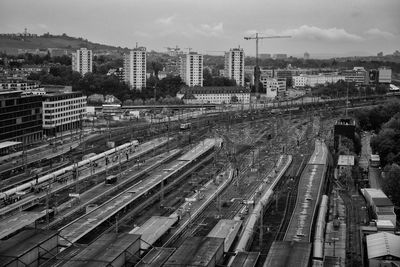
46	41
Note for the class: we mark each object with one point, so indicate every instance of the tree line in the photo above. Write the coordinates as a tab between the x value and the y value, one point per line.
384	120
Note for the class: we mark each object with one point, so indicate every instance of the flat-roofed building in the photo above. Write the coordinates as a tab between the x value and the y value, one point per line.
234	65
357	75
135	68
82	61
191	69
274	86
63	112
384	75
20	117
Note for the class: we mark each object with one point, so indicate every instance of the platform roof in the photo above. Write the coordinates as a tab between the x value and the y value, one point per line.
153	229
226	229
18	221
104	250
245	259
346	160
320	153
288	254
23	242
8	144
156	257
199	149
196	251
299	228
383	244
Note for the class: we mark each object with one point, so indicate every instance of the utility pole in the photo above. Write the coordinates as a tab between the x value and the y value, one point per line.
257	71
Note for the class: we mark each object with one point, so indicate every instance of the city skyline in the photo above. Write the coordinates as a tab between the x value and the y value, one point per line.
339	28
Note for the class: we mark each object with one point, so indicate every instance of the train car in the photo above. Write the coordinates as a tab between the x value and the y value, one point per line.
111	179
318	248
185	126
68	172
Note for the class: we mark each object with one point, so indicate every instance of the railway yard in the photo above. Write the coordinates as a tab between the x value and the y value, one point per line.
248	188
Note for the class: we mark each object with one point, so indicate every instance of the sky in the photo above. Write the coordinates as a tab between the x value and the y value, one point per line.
320	27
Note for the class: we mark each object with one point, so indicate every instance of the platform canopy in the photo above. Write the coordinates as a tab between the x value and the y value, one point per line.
7	144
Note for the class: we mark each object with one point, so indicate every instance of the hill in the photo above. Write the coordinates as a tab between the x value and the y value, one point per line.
50	41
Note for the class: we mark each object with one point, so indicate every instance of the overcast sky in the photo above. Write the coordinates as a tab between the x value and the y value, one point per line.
342	27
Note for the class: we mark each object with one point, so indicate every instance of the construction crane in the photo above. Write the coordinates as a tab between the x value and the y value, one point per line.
257	71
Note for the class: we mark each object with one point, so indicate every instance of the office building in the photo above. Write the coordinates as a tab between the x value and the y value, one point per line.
63	112
191	69
306	55
384	75
135	68
274	87
313	80
82	61
357	75
234	65
20	117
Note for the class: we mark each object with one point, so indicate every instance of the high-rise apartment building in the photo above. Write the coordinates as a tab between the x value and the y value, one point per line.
82	61
191	69
234	65
135	68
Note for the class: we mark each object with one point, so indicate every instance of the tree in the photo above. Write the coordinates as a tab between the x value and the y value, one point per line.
138	102
234	99
391	184
128	102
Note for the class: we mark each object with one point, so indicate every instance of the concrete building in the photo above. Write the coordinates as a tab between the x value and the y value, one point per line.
214	95
82	61
314	80
357	75
191	69
18	84
234	65
279	56
20	117
63	112
306	55
274	87
299	81
384	75
135	68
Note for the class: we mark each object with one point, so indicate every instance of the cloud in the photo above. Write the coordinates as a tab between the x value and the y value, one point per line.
166	21
211	30
375	32
315	33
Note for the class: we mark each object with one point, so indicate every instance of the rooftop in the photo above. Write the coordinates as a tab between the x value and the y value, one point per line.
106	249
197	251
153	229
22	243
346	160
246	259
288	254
155	257
383	244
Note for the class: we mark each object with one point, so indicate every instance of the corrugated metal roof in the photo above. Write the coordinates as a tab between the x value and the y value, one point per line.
153	229
383	244
288	253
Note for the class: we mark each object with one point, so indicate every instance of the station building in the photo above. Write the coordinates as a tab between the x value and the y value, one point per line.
214	95
20	117
63	112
